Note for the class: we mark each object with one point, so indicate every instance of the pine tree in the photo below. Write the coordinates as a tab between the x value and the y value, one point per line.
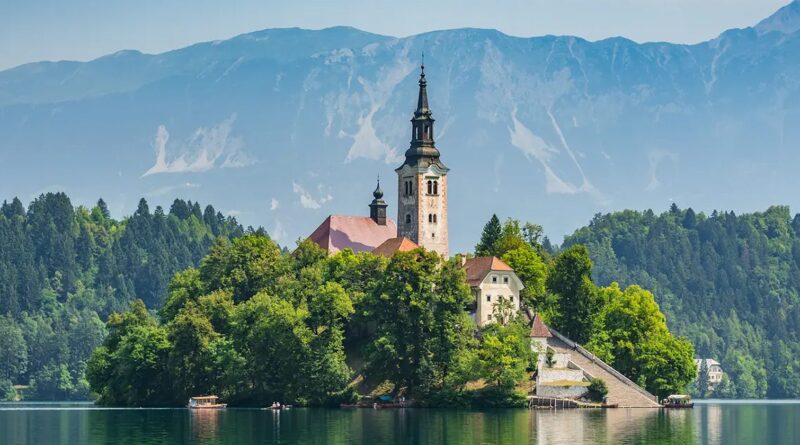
492	232
702	379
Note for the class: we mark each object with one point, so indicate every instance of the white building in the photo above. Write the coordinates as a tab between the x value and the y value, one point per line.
715	372
495	287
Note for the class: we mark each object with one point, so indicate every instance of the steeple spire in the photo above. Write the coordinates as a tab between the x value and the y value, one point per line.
422	147
422	100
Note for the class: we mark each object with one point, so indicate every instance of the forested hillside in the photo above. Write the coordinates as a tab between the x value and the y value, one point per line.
65	269
728	282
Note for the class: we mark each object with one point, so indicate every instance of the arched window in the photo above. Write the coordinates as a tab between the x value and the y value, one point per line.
408	218
419	132
435	187
427	132
434	218
430	187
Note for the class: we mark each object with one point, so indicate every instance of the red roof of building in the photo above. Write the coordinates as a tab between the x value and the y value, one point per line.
360	233
394	245
538	328
477	268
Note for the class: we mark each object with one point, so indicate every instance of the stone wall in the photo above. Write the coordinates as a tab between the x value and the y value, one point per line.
565	392
555	375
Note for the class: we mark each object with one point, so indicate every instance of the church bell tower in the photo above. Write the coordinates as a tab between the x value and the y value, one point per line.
422	183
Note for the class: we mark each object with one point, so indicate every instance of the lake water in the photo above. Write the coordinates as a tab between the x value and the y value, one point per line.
741	422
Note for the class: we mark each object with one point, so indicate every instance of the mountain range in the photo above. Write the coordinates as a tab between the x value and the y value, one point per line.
282	127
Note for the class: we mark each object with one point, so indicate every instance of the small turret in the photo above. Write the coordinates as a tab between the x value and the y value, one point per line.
377	208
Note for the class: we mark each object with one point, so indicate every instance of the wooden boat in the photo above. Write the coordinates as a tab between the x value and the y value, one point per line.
678	401
349	405
205	402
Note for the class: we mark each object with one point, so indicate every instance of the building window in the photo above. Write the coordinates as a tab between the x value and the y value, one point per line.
494	278
433	235
434	218
511	298
489	317
505	280
489	298
435	187
430	187
408	218
427	132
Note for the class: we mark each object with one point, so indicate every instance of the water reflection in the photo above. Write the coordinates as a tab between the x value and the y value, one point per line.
708	424
204	424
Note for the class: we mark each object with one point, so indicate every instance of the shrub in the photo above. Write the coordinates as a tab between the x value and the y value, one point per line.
498	397
597	390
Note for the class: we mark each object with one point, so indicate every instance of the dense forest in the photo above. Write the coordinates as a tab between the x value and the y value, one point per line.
253	325
730	283
64	270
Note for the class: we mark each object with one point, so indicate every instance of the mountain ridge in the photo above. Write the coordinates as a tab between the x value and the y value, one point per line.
286	126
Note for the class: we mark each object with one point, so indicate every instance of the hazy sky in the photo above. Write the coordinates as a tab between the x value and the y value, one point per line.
32	30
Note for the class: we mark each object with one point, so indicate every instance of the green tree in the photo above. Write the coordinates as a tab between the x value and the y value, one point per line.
578	301
701	384
190	361
491	234
245	266
421	326
505	354
640	343
13	350
532	271
273	338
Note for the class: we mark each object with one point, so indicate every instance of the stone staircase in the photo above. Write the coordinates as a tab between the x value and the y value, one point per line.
621	390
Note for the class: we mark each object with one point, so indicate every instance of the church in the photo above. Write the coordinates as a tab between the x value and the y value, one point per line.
421	219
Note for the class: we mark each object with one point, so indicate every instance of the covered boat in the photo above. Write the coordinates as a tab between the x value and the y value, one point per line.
205	402
678	401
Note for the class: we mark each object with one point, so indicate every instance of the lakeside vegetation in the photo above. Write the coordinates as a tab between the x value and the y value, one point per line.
254	324
64	270
730	283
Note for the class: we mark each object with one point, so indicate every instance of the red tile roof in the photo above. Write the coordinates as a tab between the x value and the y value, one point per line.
359	233
394	245
538	328
477	268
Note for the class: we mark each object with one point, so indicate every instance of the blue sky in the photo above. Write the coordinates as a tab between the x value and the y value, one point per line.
33	30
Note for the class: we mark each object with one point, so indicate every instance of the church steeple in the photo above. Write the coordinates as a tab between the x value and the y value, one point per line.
423	149
422	182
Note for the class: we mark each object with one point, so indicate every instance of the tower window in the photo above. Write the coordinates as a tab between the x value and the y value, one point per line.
435	187
434	217
433	235
505	280
430	187
430	218
408	218
489	298
419	132
427	132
